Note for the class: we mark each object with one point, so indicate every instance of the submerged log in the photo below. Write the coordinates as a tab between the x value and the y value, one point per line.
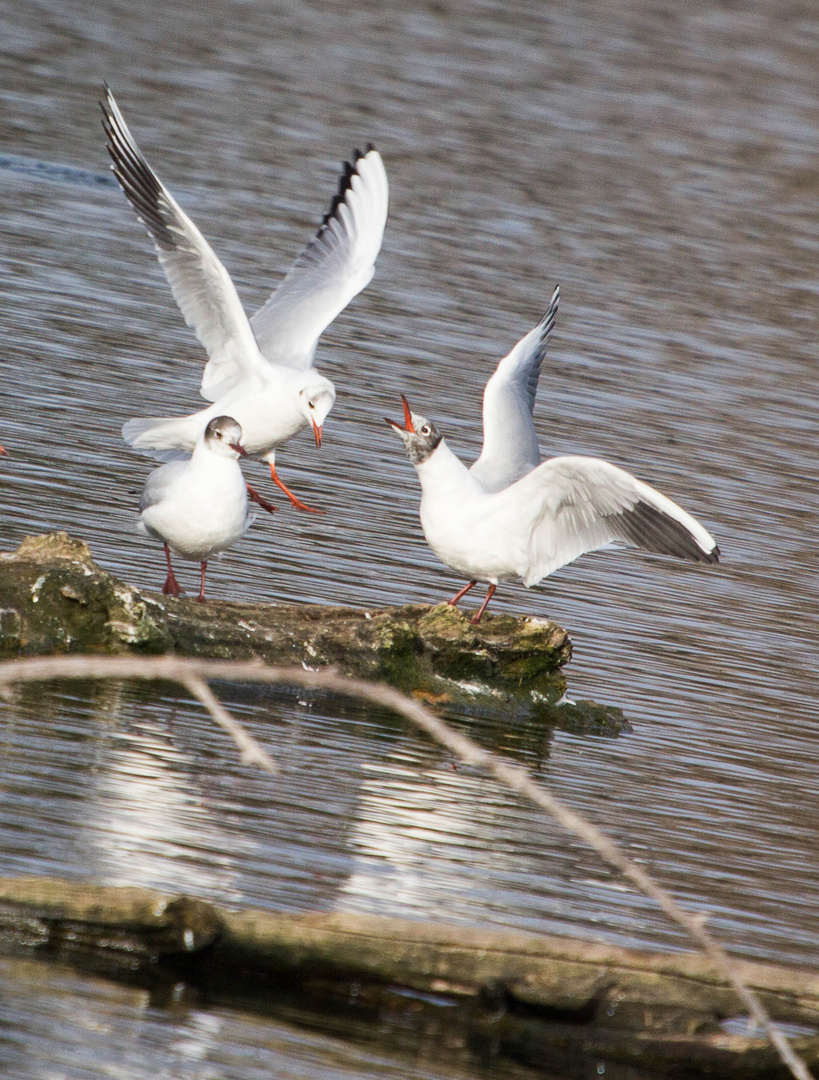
55	599
535	995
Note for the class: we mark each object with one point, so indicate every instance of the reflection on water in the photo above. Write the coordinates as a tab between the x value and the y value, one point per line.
56	1023
148	809
125	786
656	160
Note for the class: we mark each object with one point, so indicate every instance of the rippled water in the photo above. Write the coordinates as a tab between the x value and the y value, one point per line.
659	161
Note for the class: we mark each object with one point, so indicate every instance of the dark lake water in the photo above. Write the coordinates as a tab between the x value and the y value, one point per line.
657	160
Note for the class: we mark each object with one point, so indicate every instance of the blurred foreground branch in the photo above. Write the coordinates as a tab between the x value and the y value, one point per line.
196	674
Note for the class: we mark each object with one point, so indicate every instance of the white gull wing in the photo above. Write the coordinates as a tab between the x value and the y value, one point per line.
200	284
161	481
334	267
571	505
510	447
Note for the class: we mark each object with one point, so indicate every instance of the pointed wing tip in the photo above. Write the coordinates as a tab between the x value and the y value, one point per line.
652	527
142	187
110	109
368	149
545	324
551	310
349	170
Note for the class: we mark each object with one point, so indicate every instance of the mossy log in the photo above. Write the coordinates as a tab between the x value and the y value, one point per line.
55	599
534	995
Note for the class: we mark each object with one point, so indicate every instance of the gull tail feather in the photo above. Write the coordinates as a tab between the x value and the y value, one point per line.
163	438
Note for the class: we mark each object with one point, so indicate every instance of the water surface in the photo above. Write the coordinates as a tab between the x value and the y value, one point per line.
660	163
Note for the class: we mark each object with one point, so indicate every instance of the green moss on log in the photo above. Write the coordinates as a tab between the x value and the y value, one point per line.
54	598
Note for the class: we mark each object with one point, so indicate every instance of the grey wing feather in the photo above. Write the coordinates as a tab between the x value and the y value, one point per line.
510	448
571	505
160	481
200	284
334	267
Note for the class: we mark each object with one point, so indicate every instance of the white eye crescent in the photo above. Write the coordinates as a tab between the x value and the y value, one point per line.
425	430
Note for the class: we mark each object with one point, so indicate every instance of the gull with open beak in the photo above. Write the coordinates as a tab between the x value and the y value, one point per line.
260	370
199	506
515	518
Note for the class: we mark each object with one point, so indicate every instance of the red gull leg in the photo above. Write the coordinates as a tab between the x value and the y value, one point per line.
201	596
257	498
299	505
454	601
476	618
171	586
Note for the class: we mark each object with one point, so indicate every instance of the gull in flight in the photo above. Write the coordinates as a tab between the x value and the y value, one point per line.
512	516
198	506
260	370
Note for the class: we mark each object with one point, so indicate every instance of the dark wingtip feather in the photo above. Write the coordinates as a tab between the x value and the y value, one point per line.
137	179
547	320
349	170
653	530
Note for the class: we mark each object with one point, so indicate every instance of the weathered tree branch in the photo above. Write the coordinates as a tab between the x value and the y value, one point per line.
55	599
535	996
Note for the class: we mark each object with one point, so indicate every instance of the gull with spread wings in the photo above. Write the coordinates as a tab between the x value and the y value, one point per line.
511	515
260	370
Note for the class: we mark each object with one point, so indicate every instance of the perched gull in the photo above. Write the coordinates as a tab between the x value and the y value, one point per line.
510	517
198	506
260	370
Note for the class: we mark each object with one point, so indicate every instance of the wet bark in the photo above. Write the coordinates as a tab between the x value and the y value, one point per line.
55	599
534	995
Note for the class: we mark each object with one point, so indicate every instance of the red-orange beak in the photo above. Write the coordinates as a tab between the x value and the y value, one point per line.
240	450
317	433
408	424
3	450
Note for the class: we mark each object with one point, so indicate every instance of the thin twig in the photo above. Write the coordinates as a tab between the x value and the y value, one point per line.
193	673
250	750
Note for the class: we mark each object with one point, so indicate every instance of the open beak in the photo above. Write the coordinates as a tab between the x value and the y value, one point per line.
317	433
240	450
408	424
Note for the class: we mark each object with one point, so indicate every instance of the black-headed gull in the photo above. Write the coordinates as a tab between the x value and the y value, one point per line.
260	370
556	511
199	506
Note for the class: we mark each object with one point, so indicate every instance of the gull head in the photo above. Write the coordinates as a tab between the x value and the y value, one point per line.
224	436
419	435
315	401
